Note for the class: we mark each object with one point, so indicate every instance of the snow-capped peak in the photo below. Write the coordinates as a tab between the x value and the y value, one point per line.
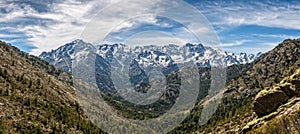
148	56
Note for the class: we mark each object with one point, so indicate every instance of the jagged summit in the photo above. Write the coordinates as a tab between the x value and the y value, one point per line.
148	55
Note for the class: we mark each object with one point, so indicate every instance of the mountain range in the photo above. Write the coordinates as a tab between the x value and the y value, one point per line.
144	65
235	111
148	56
261	93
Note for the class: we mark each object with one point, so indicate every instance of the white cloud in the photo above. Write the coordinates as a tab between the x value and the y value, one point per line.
263	47
282	36
67	20
136	21
3	36
64	22
153	38
176	10
235	43
121	16
281	15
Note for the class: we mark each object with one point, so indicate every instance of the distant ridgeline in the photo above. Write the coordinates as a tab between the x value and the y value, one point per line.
142	60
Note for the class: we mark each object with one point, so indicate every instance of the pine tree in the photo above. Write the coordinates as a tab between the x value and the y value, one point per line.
5	74
6	93
1	72
35	101
27	102
30	84
38	83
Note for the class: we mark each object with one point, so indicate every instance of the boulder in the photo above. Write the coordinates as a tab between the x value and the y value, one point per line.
268	101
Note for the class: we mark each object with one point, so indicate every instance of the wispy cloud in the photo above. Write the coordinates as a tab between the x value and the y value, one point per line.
281	36
153	38
235	43
47	25
280	14
62	22
250	25
147	15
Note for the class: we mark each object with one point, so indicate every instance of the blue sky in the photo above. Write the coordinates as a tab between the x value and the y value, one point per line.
242	26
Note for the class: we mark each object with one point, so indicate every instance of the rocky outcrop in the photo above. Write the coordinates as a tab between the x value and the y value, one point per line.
269	99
